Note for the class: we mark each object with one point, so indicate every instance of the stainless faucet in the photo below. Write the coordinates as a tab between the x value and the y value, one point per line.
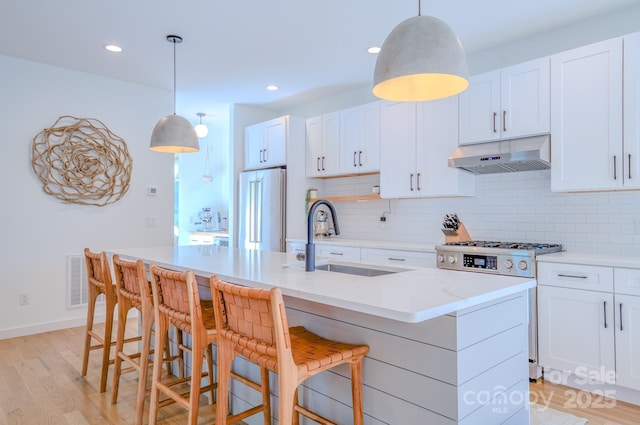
310	248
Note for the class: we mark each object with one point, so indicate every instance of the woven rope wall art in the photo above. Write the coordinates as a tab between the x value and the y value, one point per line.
80	161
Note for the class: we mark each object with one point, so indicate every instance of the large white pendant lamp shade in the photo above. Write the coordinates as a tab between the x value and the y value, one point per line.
173	133
421	59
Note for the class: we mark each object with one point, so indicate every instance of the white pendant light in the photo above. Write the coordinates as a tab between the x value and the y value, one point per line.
421	59
201	129
173	133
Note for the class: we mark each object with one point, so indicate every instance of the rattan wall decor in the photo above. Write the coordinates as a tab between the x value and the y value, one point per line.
80	161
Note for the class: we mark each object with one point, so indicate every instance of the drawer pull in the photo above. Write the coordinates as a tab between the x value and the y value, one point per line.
395	259
571	276
336	253
605	315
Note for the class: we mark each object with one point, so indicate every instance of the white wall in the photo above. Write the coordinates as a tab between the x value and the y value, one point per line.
38	231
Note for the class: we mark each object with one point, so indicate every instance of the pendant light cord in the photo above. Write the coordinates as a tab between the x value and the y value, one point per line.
174	76
419	7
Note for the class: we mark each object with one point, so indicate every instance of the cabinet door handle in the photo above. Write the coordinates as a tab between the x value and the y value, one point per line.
395	259
411	182
495	116
621	316
323	163
318	164
418	182
629	168
504	120
336	253
266	155
615	168
355	164
605	315
360	158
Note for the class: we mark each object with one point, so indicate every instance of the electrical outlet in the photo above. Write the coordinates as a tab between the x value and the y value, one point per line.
24	298
383	219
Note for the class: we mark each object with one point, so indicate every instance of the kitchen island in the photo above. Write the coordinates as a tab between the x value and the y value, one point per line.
446	347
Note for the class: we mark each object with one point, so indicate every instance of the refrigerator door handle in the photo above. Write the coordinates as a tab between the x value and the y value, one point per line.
252	211
257	236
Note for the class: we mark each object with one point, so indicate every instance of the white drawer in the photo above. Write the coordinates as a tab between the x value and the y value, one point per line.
398	257
342	252
627	281
577	276
295	247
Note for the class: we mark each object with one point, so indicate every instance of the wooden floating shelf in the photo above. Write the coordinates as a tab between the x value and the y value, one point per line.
371	197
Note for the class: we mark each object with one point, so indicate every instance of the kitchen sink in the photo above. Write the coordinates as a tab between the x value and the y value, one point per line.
356	269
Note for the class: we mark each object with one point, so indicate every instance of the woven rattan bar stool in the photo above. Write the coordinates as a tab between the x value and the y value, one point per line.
134	292
99	282
253	323
177	302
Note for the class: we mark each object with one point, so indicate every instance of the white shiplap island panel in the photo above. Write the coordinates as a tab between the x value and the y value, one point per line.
446	347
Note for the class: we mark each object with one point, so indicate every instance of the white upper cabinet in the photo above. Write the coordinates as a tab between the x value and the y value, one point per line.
360	139
586	106
345	142
323	145
631	156
416	141
505	104
265	144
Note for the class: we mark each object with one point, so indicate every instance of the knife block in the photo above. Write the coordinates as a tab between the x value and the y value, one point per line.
461	235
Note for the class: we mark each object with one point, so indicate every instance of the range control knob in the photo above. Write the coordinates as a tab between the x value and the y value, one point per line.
522	265
440	258
451	259
508	264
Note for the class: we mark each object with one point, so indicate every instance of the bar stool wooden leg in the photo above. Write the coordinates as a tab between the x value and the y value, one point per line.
106	350
356	392
91	310
162	326
123	310
225	358
266	395
147	325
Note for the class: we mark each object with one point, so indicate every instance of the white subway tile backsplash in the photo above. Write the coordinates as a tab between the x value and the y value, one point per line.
511	206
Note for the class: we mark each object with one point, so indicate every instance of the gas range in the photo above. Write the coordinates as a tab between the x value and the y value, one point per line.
503	258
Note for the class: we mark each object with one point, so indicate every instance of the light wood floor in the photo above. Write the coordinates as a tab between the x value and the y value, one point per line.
40	383
599	411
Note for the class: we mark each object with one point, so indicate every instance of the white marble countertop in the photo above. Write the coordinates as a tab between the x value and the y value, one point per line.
364	243
411	296
606	260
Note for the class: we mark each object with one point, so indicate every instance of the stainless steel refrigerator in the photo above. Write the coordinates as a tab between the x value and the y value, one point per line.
262	209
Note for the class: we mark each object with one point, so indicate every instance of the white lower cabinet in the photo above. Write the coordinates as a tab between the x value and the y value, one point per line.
589	321
627	310
339	252
575	330
398	257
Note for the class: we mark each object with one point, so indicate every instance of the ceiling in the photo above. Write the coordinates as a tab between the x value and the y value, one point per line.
233	49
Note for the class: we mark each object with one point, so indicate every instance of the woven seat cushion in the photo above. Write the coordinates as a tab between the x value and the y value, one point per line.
310	351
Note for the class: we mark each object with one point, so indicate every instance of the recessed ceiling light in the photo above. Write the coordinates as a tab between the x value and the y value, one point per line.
272	87
113	48
374	49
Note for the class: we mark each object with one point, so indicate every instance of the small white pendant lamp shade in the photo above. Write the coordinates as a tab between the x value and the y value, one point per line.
421	59
174	134
201	129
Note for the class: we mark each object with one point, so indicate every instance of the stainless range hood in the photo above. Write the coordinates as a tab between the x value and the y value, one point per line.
506	156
